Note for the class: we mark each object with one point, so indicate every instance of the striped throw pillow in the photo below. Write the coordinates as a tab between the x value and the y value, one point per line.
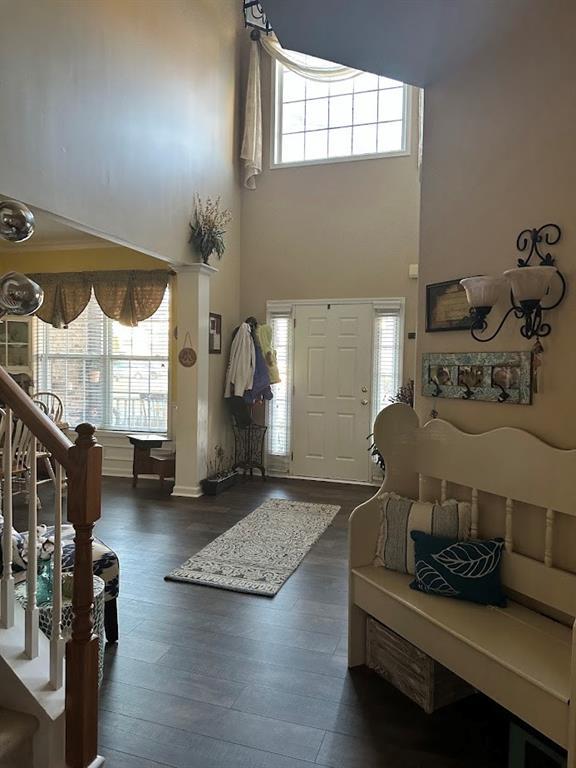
400	516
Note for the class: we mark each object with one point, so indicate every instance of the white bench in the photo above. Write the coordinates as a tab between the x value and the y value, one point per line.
516	655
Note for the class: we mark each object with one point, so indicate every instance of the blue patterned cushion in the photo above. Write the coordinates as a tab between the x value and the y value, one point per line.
104	561
465	570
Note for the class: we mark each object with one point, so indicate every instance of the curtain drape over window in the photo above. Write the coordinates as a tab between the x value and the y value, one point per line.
128	296
306	66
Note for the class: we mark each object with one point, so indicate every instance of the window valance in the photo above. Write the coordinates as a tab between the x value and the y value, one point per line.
128	296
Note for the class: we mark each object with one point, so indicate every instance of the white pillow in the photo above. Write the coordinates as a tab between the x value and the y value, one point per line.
399	516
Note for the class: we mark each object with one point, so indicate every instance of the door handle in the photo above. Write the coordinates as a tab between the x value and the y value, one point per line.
363	402
364	389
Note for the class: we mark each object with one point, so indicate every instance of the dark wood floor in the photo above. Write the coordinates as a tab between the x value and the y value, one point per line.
205	678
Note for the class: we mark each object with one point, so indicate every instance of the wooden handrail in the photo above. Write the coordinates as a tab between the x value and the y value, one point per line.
83	464
47	433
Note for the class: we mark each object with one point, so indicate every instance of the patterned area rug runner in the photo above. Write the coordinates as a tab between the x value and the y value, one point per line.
260	552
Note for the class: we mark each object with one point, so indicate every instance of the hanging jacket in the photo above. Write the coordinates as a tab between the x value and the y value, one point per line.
240	373
261	385
264	333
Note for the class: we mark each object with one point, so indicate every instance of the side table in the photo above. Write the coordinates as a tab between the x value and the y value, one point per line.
145	464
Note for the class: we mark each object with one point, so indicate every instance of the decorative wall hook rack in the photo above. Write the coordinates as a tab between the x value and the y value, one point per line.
529	286
437	388
503	396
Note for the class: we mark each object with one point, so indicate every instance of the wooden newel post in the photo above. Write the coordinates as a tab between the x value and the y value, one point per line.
84	498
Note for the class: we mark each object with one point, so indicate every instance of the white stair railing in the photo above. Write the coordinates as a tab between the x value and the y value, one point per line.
19	462
24	427
7	584
56	639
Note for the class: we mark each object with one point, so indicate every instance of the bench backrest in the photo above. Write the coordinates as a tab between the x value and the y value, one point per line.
508	463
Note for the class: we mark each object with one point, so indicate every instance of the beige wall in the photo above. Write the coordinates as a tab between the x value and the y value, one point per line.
340	230
115	114
498	157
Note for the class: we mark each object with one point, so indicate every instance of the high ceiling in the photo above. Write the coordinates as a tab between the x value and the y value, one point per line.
416	41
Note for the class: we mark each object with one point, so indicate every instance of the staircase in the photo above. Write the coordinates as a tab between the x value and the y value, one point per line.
48	689
16	734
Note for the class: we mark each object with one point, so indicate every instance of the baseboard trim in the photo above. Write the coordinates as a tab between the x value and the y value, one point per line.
287	476
111	472
188	492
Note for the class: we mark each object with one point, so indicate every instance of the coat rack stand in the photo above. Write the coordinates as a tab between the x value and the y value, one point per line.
249	448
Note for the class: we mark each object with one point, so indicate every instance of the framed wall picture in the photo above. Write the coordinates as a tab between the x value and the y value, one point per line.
447	307
215	334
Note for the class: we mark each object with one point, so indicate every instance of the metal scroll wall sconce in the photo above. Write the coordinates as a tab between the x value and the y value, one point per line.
529	286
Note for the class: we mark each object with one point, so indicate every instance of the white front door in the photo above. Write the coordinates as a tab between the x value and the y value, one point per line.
332	383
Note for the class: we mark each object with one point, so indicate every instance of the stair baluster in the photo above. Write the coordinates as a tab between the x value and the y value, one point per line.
57	641
31	631
7	584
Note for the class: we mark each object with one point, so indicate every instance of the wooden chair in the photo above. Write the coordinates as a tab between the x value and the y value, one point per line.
50	404
21	446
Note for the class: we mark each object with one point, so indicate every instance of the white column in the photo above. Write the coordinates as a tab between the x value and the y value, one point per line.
190	418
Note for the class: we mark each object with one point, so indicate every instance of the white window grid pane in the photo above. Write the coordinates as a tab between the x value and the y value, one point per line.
105	373
367	100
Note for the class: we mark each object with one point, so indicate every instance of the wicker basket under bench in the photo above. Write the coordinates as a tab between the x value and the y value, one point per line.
413	672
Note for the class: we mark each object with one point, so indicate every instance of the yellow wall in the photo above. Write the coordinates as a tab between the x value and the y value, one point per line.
337	230
81	260
499	157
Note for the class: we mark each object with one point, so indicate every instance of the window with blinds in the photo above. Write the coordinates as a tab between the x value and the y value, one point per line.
105	373
387	365
279	409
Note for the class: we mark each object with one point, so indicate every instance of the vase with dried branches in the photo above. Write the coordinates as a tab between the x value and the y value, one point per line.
208	227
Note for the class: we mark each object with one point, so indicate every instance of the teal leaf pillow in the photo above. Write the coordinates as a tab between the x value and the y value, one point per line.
465	570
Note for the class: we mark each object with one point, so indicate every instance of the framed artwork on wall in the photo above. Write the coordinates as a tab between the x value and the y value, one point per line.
215	334
447	307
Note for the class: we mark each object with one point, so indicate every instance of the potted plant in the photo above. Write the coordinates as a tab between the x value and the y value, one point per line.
404	395
209	227
220	473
